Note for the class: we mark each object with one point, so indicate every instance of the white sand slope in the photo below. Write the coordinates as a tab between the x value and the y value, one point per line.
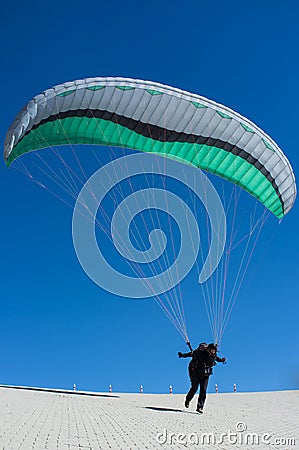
34	419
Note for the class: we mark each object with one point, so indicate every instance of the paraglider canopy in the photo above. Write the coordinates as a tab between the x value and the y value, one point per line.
155	118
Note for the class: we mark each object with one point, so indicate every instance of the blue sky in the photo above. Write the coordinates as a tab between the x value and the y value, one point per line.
57	327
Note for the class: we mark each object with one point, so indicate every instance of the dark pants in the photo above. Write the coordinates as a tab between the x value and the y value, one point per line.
198	380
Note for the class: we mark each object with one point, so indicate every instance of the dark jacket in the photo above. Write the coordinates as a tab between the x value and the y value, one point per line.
201	362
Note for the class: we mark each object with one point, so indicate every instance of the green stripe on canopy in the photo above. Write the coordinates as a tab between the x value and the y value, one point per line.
84	130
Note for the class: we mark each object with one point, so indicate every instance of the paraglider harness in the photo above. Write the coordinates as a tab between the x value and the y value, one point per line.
194	365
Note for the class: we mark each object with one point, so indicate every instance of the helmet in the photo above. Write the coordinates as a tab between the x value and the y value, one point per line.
203	346
213	347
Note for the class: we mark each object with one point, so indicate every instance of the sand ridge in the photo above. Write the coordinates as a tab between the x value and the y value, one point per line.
58	419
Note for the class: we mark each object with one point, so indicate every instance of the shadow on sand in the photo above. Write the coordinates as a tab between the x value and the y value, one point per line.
156	408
